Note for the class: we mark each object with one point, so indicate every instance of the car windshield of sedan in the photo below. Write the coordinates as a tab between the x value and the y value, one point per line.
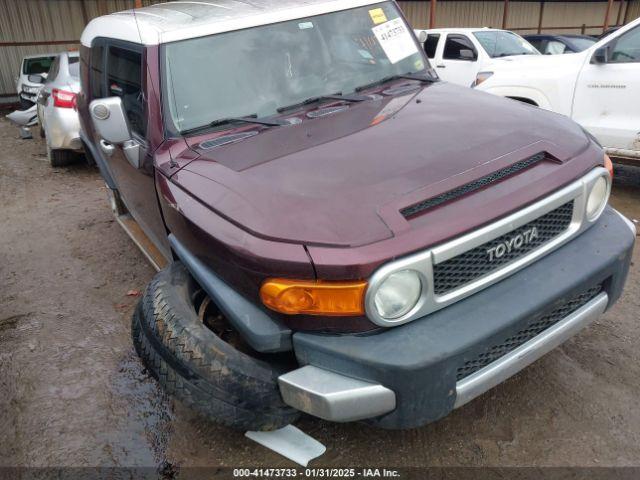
258	70
498	43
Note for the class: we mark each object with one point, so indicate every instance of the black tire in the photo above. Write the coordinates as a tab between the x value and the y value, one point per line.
60	158
193	364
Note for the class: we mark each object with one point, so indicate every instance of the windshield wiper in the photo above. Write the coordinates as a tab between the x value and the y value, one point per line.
229	120
319	98
409	76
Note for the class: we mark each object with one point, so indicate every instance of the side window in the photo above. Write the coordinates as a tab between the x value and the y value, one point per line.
627	48
74	66
96	72
459	47
53	71
536	42
431	44
124	80
555	47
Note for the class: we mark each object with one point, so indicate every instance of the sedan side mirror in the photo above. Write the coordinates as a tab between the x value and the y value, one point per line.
36	78
601	55
111	122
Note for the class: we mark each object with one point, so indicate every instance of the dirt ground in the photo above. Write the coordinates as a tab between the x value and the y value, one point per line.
73	393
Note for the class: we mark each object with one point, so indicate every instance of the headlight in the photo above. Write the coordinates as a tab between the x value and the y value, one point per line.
398	294
597	199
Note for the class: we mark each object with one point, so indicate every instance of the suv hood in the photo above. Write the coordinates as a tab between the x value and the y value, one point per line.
330	180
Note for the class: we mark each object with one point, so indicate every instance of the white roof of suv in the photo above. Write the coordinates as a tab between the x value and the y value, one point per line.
169	22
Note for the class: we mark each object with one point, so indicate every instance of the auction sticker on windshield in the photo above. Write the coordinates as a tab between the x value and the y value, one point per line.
395	40
377	15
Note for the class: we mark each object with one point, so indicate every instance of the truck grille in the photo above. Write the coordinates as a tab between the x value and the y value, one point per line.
535	327
480	261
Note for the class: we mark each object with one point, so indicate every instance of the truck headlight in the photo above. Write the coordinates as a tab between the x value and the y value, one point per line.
598	196
398	294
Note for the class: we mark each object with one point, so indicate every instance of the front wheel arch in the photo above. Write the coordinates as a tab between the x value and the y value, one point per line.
525	100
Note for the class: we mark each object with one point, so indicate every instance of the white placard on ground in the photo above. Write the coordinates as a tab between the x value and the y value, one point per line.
290	442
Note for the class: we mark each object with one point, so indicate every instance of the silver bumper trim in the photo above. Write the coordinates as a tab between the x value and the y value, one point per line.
511	363
334	397
628	222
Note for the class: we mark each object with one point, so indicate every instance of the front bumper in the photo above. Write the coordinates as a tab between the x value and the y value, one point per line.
419	362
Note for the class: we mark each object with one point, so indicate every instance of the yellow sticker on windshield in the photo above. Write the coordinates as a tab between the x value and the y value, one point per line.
378	16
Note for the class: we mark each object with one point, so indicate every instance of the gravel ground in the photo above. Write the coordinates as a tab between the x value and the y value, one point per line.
72	392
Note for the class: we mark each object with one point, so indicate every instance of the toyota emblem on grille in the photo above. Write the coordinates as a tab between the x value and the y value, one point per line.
514	243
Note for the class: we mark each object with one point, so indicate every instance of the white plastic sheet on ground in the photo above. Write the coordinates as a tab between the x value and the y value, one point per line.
290	442
24	118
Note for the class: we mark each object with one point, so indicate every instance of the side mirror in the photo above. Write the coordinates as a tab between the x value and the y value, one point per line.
36	78
422	36
467	54
111	122
601	55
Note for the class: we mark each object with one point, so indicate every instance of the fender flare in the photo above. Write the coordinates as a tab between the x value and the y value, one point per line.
529	93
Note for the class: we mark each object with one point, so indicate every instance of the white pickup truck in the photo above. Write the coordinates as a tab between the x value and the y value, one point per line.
598	87
460	53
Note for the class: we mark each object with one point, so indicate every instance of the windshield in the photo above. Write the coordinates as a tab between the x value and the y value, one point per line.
498	43
258	70
581	44
35	66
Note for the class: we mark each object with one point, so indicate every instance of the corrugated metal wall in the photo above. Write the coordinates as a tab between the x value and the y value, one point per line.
521	14
634	10
60	21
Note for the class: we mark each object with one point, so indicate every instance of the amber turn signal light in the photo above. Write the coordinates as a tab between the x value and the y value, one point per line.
314	297
608	164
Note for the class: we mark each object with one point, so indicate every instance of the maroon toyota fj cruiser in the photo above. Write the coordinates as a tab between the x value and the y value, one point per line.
344	234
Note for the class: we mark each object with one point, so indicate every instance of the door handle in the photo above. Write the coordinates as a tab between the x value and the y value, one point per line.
441	66
107	148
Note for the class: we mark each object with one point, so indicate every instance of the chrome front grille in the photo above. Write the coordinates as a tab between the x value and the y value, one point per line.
535	327
459	267
488	257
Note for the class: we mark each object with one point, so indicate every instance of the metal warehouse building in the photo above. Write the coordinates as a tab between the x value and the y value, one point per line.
42	26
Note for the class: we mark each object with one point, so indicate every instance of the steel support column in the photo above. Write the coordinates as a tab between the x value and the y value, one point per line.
432	14
540	17
606	16
505	14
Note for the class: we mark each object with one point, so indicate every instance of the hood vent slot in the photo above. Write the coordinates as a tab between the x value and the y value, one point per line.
323	112
225	139
482	182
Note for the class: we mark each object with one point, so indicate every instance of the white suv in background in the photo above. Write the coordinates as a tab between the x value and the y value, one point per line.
598	87
459	54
